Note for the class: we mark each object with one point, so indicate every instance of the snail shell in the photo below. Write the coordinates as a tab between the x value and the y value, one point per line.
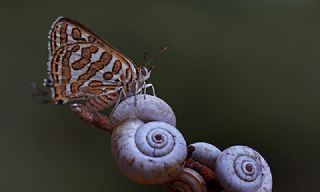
205	153
242	169
188	181
148	153
144	107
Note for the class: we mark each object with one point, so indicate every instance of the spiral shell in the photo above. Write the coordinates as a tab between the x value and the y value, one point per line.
242	169
188	181
148	153
205	153
144	107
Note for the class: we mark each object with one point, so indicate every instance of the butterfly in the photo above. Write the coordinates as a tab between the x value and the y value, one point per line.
82	66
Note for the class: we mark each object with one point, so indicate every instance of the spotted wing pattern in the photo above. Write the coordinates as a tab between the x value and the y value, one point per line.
83	66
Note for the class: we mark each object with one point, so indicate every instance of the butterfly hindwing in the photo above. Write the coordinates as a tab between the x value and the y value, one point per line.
83	66
65	31
76	68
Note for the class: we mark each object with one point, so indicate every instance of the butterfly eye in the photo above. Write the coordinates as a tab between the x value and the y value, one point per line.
144	71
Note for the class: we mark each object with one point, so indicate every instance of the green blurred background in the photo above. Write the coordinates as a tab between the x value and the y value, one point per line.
236	72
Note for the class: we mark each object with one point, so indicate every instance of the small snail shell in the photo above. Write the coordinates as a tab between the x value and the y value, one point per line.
144	107
148	153
205	153
188	181
242	169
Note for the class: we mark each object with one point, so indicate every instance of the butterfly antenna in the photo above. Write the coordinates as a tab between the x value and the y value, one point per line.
145	54
38	94
163	50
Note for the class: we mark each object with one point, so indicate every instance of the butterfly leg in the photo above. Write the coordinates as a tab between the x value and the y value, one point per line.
147	86
136	91
144	90
122	94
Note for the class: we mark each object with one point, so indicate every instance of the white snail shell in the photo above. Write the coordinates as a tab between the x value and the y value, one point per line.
151	153
144	107
147	153
242	169
205	153
188	181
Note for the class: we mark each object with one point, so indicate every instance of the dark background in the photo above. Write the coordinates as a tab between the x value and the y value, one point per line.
236	72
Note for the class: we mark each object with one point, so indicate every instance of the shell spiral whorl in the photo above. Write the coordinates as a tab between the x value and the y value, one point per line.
158	136
188	181
242	169
147	153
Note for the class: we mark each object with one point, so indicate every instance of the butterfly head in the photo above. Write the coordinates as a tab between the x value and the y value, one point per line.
144	73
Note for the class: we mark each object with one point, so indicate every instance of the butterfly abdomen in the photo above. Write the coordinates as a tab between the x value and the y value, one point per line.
102	102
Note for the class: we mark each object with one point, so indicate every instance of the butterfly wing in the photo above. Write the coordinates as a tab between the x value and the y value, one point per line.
82	65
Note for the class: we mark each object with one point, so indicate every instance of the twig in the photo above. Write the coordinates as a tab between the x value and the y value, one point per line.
92	117
208	174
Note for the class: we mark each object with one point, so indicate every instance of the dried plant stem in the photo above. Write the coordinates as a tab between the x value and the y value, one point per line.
92	117
207	173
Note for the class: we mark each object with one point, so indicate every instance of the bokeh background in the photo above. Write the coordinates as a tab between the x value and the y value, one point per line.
236	72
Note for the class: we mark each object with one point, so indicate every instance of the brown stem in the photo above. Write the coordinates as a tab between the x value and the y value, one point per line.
92	117
208	174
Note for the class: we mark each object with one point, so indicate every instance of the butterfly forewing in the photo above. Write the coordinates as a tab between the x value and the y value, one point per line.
83	66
